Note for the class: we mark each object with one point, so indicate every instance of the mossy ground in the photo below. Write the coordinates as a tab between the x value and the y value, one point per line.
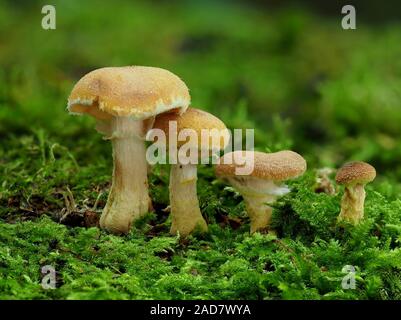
299	80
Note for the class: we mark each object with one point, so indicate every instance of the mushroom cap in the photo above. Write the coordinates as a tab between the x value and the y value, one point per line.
277	166
357	172
197	120
134	91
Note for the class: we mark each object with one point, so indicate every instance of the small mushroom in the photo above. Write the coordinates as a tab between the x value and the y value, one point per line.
264	184
354	176
323	182
184	203
125	100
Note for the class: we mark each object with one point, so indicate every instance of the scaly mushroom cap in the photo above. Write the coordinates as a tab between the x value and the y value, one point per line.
357	172
278	166
134	91
196	120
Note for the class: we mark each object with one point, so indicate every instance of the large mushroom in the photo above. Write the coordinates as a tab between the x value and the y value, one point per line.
124	101
264	184
354	176
203	135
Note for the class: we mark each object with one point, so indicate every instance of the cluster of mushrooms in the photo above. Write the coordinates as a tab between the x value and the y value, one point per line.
129	102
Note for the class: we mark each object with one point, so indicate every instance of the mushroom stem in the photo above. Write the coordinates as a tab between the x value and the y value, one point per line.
257	195
259	211
184	203
352	204
128	199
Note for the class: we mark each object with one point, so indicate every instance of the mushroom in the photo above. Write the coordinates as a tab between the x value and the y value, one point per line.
264	184
208	135
124	101
354	176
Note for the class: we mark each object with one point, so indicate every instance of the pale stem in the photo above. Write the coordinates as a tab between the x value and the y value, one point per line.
259	211
352	204
128	198
185	212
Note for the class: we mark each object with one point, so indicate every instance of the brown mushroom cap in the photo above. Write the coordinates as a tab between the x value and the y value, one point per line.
196	120
138	92
278	166
357	172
